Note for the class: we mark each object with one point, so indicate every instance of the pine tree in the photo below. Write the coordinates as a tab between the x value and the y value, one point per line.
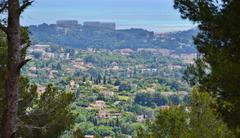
204	121
16	45
37	116
40	116
217	69
104	80
47	111
199	120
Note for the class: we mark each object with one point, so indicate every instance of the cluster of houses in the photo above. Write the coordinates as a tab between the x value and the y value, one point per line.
102	111
41	50
79	64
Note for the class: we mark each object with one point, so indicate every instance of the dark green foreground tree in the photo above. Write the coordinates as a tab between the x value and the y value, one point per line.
11	11
217	70
198	120
45	115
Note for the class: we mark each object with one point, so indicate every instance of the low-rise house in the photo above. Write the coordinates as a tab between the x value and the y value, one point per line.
70	70
164	107
107	137
32	75
106	114
98	105
182	93
115	68
72	83
89	136
115	115
41	89
33	69
141	118
167	93
103	114
149	70
108	94
48	56
77	64
172	67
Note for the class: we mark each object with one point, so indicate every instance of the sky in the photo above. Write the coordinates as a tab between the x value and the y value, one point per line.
153	15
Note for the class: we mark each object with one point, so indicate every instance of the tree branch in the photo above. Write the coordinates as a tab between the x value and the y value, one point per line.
23	63
25	46
26	3
3	28
24	125
3	6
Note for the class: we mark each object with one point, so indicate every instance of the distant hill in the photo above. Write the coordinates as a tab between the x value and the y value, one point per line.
101	36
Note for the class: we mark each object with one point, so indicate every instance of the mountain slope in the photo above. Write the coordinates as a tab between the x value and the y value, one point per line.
90	37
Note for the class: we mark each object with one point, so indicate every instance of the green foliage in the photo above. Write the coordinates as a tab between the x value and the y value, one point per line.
204	120
155	99
124	87
87	128
169	124
217	70
110	76
41	116
104	131
78	133
199	120
25	41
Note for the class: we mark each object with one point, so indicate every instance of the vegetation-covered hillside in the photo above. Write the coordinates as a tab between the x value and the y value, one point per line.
116	91
87	37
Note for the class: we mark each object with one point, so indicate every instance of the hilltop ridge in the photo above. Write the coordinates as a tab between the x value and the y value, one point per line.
104	35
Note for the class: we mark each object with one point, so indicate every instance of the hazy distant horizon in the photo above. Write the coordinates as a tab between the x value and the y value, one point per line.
153	15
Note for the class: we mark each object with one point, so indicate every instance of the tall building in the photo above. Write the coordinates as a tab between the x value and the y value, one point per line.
100	25
67	23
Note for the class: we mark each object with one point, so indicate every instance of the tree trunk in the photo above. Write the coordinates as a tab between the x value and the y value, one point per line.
13	73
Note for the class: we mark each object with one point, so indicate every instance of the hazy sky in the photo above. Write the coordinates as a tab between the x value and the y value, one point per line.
155	15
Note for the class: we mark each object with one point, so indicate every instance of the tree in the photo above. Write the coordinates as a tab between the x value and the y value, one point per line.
104	80
104	131
124	87
199	120
204	121
217	69
41	116
170	123
30	113
15	60
117	82
77	133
